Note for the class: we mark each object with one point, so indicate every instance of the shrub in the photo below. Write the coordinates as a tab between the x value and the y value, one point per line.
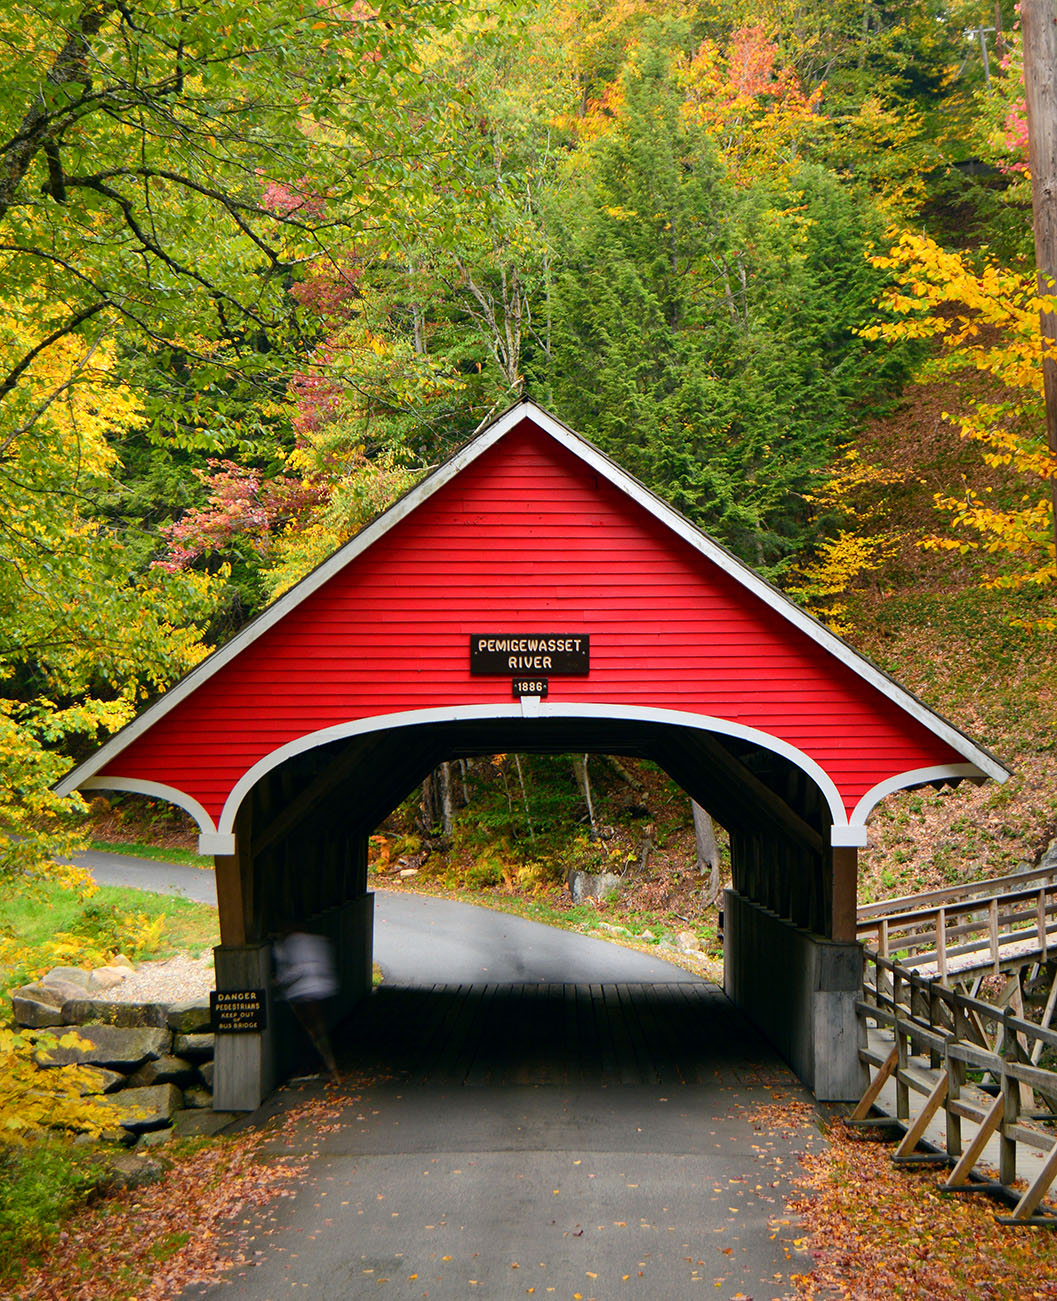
41	1182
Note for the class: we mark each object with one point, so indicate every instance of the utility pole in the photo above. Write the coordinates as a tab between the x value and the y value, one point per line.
982	33
1038	21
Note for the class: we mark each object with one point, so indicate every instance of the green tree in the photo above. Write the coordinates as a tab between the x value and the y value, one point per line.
704	333
165	172
166	176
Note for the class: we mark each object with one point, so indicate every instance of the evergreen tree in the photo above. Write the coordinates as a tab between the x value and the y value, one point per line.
703	333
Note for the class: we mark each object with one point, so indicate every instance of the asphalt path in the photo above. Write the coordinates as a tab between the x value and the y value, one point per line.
656	1194
649	1191
144	874
423	940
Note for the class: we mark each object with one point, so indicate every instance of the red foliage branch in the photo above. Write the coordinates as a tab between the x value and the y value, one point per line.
241	503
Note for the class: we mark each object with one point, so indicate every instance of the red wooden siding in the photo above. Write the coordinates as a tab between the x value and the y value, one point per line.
529	539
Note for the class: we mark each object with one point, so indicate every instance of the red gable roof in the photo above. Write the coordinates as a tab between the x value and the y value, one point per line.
531	530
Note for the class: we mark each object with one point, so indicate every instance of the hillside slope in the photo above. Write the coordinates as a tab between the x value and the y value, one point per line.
924	616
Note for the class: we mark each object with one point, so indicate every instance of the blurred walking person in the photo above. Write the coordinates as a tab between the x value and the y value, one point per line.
304	972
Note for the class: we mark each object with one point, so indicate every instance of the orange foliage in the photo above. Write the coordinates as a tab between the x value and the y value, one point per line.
758	114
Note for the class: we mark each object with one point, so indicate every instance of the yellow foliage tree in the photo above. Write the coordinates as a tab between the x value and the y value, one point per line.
84	637
857	546
34	1102
757	113
984	319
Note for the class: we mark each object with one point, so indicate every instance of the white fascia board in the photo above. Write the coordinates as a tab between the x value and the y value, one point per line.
210	841
947	772
216	843
847	837
156	791
590	455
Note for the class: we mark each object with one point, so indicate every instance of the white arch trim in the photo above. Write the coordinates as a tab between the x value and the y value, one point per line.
905	780
535	708
207	837
220	839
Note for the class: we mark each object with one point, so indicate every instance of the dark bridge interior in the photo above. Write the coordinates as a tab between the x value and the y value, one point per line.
302	831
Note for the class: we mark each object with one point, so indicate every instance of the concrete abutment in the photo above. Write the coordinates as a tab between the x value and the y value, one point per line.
800	990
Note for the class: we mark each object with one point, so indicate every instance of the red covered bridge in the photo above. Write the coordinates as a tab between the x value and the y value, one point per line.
531	556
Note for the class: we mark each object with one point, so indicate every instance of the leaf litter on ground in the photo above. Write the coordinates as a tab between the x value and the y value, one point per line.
192	1227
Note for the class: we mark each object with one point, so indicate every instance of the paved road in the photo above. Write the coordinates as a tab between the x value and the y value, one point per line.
145	874
419	940
505	1137
652	1191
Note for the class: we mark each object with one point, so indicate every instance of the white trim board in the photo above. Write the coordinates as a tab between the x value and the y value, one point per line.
624	482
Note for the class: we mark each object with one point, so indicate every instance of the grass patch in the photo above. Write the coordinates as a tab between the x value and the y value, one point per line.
47	923
138	849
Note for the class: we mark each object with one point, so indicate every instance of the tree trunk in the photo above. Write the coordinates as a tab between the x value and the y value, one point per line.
444	800
647	846
584	782
1039	24
524	797
624	773
707	851
427	806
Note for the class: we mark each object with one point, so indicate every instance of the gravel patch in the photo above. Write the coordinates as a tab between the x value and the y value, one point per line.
176	980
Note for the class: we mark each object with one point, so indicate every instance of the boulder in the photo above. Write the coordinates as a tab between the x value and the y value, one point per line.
190	1018
71	975
133	1170
206	1071
60	990
687	942
198	1096
194	1045
40	993
99	1011
141	1109
156	1137
119	960
592	885
166	1070
104	978
195	1121
103	1081
34	1014
115	1047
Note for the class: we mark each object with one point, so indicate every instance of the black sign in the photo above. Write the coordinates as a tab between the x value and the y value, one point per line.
237	1011
530	686
492	652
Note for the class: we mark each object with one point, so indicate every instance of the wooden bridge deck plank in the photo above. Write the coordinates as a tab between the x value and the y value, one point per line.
619	1034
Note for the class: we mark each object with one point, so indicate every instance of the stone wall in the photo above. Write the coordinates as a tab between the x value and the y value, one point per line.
151	1063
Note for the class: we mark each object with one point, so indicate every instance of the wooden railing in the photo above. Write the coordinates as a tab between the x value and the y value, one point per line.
990	924
977	1061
